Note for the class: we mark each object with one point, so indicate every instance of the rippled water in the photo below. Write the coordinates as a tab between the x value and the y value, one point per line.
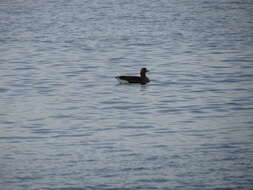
65	122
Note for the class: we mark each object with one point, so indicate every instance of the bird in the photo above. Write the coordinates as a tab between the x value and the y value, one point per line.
142	79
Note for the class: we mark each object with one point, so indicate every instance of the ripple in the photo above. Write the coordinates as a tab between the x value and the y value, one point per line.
3	90
135	126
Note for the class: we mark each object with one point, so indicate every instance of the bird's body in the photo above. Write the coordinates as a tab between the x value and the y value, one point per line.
142	79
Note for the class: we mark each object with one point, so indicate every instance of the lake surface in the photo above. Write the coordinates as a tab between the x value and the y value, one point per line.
66	123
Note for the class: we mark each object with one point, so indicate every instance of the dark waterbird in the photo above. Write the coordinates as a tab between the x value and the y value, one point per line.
142	79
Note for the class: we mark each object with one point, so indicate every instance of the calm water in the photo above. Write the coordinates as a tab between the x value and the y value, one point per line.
66	124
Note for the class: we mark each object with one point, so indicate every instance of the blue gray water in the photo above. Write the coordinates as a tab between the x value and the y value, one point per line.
66	123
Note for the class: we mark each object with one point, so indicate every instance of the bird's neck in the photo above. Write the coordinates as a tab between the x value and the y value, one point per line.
143	74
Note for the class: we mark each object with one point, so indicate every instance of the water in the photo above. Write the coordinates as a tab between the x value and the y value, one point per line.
66	124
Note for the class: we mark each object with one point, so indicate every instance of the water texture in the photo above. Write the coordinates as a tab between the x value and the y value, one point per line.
66	124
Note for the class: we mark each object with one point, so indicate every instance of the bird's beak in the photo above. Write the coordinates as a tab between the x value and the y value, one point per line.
147	70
